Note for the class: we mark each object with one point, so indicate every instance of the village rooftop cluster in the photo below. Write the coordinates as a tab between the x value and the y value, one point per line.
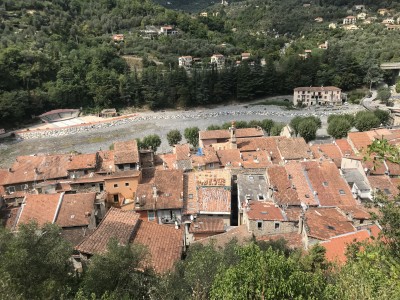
238	183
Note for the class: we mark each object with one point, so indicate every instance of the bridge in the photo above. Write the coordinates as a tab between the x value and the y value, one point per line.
390	66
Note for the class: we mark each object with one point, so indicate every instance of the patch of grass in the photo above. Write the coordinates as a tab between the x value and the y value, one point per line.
96	139
286	104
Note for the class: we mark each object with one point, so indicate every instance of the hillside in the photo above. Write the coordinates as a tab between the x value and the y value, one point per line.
56	54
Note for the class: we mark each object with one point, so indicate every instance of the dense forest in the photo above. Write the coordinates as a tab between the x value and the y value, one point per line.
34	264
60	54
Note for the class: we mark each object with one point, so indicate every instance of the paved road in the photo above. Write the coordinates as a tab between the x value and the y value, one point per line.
367	102
156	123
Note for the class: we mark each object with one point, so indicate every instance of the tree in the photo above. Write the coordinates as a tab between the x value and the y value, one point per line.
366	120
338	128
213	127
267	125
35	262
121	272
383	116
294	123
384	95
174	137
307	129
276	129
151	141
192	135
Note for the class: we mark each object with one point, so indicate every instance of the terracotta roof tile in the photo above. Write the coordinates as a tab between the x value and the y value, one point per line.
126	152
82	161
76	210
324	223
47	167
165	244
191	205
384	184
297	178
3	179
356	212
116	224
207	225
265	211
214	199
106	161
182	152
360	140
239	233
331	188
344	147
283	189
229	157
293	148
169	184
41	208
337	246
293	213
327	151
268	144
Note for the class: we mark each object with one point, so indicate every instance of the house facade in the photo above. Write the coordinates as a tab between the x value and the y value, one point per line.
328	95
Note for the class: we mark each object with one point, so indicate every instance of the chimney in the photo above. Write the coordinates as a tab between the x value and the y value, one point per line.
36	171
232	129
154	191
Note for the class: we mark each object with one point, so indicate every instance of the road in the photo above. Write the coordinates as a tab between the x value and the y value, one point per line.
156	123
367	101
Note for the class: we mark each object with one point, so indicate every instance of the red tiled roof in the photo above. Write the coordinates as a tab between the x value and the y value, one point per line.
293	213
356	212
295	170
336	247
327	151
41	208
229	157
293	148
214	199
207	225
117	224
344	147
265	211
76	210
48	167
360	140
169	184
3	178
165	244
82	161
126	152
324	223
106	161
283	190
384	184
240	233
182	151
331	188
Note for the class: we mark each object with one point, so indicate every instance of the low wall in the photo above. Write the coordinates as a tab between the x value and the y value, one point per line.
74	129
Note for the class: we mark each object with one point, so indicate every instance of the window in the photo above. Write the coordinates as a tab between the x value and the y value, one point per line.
93	185
259	225
362	221
132	166
115	185
116	198
85	172
126	183
11	189
341	192
277	225
151	215
190	196
81	184
260	197
325	183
